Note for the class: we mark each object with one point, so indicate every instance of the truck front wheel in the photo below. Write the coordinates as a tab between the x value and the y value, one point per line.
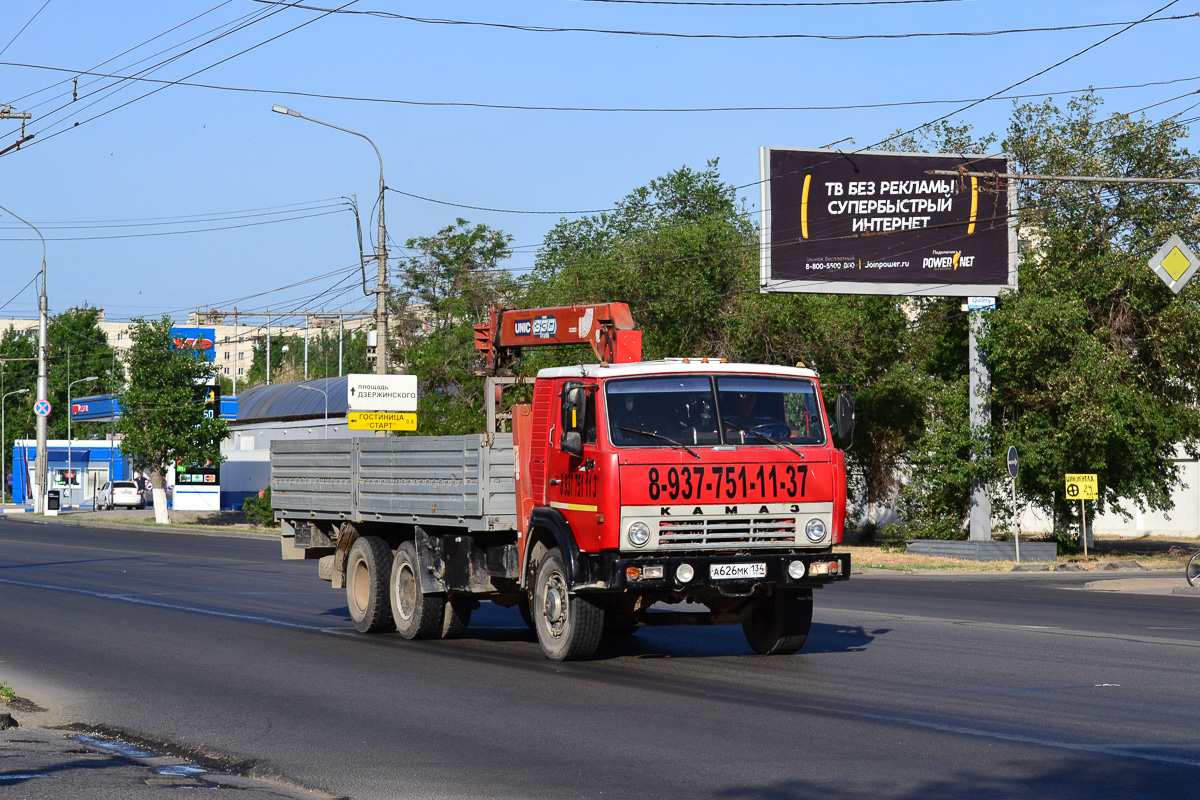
568	626
367	571
780	621
417	615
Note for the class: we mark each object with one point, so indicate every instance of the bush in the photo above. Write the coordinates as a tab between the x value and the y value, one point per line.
258	510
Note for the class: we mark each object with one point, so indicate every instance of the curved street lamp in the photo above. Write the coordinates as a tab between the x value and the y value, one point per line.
381	250
43	382
4	442
324	392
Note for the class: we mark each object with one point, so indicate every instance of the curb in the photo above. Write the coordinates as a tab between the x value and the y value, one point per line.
198	531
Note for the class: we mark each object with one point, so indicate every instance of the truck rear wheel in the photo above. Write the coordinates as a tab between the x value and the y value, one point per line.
457	617
569	627
780	621
417	615
366	584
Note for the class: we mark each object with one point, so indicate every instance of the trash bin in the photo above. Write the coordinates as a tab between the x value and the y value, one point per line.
53	502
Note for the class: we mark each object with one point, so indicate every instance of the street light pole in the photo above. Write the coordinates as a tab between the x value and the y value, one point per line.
381	249
326	393
4	441
70	469
43	386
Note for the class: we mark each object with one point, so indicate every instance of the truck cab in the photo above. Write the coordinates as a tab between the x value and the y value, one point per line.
709	486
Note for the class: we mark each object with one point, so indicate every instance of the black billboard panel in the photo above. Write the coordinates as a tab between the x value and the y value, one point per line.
877	223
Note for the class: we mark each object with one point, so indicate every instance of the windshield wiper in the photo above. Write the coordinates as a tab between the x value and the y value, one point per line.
764	437
653	435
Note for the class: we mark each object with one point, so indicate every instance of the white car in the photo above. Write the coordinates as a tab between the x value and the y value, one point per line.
119	493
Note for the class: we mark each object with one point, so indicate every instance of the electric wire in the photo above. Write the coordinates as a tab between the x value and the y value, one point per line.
726	36
23	27
45	138
591	109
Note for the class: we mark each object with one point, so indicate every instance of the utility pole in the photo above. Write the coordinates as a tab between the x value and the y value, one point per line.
306	344
41	468
268	345
237	339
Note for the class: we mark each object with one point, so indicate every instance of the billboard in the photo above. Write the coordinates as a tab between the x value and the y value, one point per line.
837	222
202	339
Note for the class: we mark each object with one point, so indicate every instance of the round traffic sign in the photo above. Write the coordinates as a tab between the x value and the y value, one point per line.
1013	463
42	408
1073	490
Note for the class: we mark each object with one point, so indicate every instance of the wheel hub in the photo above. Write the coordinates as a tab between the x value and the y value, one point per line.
554	608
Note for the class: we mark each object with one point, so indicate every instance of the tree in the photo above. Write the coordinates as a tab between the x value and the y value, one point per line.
163	415
287	357
1093	362
441	293
680	251
683	252
78	348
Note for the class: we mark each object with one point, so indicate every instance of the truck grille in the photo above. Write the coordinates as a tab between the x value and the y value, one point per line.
726	532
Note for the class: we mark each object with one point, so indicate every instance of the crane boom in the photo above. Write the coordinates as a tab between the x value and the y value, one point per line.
607	327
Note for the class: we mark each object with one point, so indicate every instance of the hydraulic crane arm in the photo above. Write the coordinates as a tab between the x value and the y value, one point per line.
607	327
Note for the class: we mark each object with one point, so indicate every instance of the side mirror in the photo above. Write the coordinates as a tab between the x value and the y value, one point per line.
574	412
845	418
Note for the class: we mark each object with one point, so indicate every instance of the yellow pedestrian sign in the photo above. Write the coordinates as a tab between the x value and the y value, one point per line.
1174	264
382	421
1082	486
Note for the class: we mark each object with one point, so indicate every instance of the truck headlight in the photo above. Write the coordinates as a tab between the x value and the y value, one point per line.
815	530
639	534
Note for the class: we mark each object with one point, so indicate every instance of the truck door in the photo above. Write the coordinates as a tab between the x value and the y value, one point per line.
572	470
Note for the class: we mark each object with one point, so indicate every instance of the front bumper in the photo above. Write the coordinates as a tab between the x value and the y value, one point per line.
631	572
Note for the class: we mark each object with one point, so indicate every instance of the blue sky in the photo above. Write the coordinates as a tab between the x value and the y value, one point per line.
187	158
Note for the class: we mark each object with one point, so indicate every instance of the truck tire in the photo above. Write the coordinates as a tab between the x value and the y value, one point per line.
457	617
569	627
780	621
367	569
416	615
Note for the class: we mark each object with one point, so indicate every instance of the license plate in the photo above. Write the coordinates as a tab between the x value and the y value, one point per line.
725	572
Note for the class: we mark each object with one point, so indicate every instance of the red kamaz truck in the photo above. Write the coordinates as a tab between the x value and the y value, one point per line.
628	493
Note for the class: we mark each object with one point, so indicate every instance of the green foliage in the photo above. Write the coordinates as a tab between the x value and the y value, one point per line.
1094	365
442	293
76	348
163	420
287	357
680	251
258	509
8	695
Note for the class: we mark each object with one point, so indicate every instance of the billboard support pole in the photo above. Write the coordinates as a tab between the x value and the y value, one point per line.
979	386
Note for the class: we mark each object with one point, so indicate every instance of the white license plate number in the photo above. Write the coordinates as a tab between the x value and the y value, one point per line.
727	572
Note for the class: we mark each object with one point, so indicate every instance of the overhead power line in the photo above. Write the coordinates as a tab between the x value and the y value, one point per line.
733	36
590	109
1013	176
826	4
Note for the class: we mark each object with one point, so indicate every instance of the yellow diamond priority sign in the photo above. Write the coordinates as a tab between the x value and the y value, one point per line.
1174	264
382	421
1082	486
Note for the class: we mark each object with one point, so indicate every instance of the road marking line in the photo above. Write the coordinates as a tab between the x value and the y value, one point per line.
128	598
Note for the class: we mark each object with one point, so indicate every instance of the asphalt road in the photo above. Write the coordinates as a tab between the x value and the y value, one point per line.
910	686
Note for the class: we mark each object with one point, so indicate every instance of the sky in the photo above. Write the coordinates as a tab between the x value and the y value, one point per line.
183	190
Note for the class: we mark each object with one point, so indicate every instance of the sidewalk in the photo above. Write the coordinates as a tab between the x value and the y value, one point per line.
232	523
53	763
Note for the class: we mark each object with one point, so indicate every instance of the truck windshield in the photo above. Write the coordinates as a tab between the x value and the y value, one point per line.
662	412
766	410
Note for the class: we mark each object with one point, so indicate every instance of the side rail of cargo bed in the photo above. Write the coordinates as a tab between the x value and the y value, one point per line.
460	481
